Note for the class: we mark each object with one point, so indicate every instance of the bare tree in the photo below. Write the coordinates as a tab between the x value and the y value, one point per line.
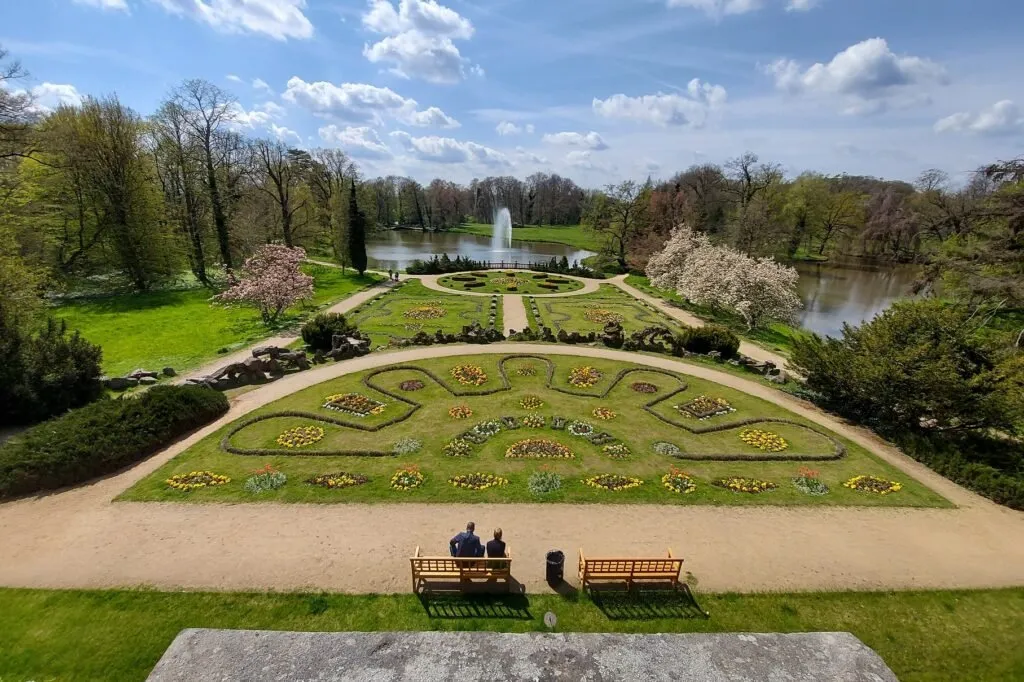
277	174
16	113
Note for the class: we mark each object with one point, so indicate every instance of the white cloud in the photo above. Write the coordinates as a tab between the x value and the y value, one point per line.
1002	118
448	150
718	8
362	103
665	110
802	5
260	84
48	96
260	116
274	109
279	19
104	4
418	40
509	128
580	159
285	134
531	157
868	75
589	140
361	141
233	78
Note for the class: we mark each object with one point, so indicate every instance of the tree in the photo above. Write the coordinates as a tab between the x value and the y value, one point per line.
278	174
329	171
16	113
620	212
273	281
665	267
356	233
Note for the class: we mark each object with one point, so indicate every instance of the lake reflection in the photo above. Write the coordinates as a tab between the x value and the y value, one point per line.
844	292
399	248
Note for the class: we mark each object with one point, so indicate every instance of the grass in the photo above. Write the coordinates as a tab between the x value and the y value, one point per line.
573	235
577	313
497	282
776	336
182	329
384	317
119	635
638	429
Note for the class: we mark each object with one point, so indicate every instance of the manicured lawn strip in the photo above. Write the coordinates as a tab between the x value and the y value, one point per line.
496	282
569	313
120	635
384	317
574	235
432	424
182	329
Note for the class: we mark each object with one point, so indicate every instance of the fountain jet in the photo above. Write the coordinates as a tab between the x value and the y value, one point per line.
501	234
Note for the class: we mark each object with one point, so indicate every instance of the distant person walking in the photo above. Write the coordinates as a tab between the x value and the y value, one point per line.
466	543
496	547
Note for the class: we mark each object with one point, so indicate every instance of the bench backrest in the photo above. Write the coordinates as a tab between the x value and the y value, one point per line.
462	565
633	566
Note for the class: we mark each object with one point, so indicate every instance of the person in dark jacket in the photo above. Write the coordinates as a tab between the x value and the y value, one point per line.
496	547
466	544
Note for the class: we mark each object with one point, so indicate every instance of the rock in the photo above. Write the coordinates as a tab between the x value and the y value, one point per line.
139	373
779	378
169	372
147	380
120	383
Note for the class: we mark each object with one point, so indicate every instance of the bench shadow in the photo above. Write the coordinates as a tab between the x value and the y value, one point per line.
648	602
480	601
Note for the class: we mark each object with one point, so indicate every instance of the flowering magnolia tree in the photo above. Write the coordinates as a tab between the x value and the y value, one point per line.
272	282
758	289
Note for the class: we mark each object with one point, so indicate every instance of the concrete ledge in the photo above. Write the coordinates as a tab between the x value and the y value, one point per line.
200	655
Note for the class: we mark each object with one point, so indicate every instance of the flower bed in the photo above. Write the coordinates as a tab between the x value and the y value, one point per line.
873	484
527	371
531	402
643	387
338	480
601	438
412	385
301	436
604	414
460	412
534	421
355	404
487	429
559	423
538	448
679	482
429	311
407	446
704	407
477	481
469	375
507	282
581	429
584	377
617	451
667	449
764	440
807	482
543	482
602	316
195	480
613	482
738	484
458	447
407	478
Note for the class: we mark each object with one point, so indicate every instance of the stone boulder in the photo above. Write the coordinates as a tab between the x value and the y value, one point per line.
147	381
169	372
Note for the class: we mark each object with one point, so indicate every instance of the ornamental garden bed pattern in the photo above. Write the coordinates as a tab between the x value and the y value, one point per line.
569	439
591	312
510	282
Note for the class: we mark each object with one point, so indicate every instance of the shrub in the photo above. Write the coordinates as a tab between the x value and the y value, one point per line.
543	482
712	337
103	437
264	480
407	446
319	332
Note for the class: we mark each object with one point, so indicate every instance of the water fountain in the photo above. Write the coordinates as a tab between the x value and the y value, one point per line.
501	234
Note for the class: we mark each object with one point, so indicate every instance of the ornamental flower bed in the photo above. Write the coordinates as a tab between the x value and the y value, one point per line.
604	414
643	387
264	480
704	407
507	282
751	486
527	371
469	375
195	480
873	484
581	429
667	449
613	482
301	436
411	385
429	311
534	421
531	402
807	482
584	377
559	423
602	438
538	448
509	422
764	440
337	481
679	482
543	482
617	451
487	429
460	412
458	448
602	316
477	481
355	404
407	478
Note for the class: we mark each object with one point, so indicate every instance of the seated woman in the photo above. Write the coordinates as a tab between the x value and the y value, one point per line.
496	547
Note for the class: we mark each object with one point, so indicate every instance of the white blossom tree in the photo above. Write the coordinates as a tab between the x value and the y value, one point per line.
272	282
663	268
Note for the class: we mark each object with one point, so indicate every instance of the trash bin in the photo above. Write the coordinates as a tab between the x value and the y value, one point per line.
556	566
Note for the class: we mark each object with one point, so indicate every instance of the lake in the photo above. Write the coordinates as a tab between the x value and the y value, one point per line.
398	248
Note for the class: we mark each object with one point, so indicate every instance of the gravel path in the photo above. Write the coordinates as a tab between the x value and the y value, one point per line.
80	539
514	313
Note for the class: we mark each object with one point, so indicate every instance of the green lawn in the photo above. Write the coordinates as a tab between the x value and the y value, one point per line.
586	313
631	425
497	282
119	635
573	235
393	314
182	329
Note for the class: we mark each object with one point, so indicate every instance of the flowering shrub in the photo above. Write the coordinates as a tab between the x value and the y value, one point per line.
703	407
534	421
195	480
527	371
265	479
407	478
807	481
578	428
764	440
643	387
538	448
679	481
430	311
613	482
601	316
355	404
667	449
273	281
584	377
873	484
459	447
617	451
477	481
407	446
738	484
411	385
543	482
341	479
531	402
301	436
604	413
460	412
469	375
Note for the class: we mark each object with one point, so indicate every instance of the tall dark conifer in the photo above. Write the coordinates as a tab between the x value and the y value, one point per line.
356	233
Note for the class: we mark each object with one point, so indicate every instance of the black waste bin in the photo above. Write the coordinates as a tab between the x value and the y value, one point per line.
556	566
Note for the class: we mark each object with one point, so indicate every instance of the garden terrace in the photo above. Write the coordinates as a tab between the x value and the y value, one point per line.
608	426
514	282
591	312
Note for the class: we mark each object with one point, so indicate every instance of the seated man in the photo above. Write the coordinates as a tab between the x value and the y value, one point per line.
466	544
496	548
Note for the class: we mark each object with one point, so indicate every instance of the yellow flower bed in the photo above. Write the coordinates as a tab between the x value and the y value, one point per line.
355	404
604	413
469	375
601	316
764	440
534	421
613	482
477	481
738	484
679	482
407	478
301	436
584	377
531	402
194	480
425	312
337	481
460	412
873	484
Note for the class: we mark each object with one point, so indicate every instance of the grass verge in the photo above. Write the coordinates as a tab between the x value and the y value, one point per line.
573	235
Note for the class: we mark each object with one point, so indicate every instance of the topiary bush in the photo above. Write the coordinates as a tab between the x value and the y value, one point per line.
319	332
103	437
712	337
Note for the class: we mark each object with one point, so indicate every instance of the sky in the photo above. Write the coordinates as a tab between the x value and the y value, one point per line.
599	90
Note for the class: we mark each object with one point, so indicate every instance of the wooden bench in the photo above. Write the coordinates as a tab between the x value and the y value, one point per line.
630	571
462	569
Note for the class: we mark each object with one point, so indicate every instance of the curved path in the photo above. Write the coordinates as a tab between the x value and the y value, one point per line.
79	538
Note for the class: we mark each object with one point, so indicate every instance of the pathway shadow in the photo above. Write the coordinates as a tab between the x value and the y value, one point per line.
647	603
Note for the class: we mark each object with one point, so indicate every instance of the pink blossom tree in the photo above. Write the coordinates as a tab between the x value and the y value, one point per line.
272	282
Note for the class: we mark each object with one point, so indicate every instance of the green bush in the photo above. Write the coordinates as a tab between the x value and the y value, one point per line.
319	332
103	437
712	337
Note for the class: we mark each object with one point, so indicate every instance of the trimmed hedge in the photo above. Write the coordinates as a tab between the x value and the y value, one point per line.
103	437
711	337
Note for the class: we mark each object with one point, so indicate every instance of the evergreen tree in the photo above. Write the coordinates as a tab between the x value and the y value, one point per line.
356	233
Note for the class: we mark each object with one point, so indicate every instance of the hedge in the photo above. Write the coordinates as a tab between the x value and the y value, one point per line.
711	337
103	437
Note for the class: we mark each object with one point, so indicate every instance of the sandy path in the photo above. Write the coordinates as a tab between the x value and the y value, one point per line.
514	313
79	538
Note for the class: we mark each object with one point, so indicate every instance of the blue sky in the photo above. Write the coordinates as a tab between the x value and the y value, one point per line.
599	89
